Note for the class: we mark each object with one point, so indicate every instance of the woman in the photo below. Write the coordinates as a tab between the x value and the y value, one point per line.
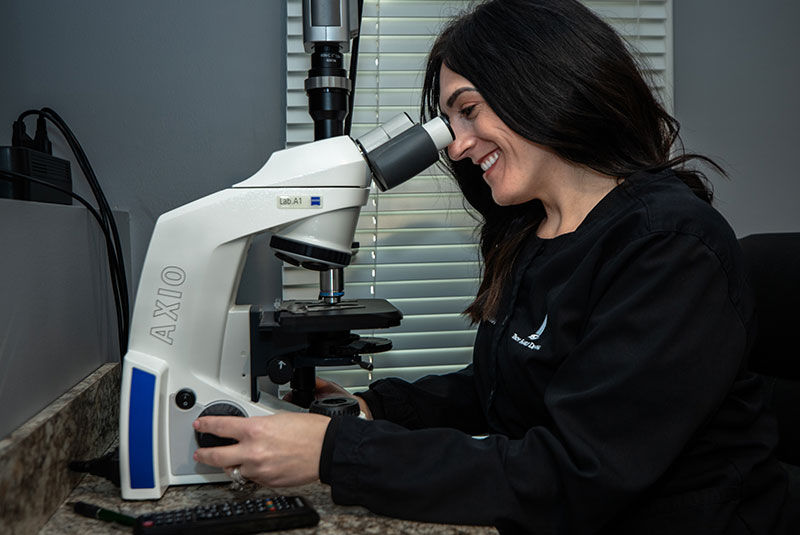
609	370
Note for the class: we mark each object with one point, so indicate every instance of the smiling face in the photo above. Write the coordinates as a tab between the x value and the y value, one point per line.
515	169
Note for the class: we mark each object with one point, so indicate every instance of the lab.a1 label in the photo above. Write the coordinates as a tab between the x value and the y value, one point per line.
299	201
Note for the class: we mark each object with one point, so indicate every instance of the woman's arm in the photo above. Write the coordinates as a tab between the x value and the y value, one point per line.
449	400
285	449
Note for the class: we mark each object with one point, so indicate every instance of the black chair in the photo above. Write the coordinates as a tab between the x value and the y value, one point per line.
773	264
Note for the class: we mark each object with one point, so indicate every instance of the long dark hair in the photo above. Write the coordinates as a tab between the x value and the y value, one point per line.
559	76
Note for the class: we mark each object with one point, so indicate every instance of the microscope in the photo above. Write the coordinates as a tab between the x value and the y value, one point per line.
193	351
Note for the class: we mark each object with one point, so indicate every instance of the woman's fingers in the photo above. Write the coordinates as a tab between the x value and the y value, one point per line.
329	388
220	456
322	384
223	426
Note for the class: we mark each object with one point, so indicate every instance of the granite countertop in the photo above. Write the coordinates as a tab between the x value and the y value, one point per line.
37	488
334	519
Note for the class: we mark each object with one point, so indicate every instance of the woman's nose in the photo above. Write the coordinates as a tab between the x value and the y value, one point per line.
457	150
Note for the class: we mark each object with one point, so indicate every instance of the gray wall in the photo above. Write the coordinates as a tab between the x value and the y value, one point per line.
171	100
737	96
57	318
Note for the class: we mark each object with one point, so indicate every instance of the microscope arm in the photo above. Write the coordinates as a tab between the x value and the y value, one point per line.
191	272
185	300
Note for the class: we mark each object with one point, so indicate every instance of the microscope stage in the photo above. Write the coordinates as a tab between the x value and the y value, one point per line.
314	316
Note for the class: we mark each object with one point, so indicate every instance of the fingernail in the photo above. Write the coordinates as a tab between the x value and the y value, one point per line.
194	456
196	424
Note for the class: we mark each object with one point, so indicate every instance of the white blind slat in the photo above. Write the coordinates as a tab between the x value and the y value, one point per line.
424	323
427	219
414	253
459	348
443	236
354	378
444	340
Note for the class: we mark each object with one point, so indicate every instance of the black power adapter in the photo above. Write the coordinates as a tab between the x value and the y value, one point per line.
31	157
39	165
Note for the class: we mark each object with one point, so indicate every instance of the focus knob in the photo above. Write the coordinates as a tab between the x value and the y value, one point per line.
335	407
208	440
279	371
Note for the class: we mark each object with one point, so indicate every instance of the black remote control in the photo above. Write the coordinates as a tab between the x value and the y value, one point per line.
250	516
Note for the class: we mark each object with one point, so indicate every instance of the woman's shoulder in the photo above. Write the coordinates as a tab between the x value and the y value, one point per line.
662	203
644	210
659	207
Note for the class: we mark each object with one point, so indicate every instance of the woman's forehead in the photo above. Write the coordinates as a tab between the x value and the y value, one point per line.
451	85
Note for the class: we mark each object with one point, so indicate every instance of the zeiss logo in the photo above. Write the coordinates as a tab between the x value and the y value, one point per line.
316	201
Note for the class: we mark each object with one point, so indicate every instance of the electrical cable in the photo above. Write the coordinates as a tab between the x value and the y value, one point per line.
121	285
101	198
107	223
348	122
26	113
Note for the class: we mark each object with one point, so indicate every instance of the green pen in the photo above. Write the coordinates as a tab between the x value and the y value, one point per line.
93	511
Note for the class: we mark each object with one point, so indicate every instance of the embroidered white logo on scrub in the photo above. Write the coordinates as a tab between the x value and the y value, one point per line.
529	342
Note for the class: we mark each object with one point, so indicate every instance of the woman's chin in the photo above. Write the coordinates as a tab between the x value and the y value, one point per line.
501	198
509	200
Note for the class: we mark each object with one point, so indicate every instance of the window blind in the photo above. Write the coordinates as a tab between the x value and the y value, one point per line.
418	246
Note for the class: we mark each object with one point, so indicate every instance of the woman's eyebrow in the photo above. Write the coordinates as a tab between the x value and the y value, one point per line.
457	92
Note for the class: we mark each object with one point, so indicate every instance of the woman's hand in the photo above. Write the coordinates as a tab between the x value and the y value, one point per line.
328	389
275	451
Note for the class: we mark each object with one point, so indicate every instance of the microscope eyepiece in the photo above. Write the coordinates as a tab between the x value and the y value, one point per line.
409	153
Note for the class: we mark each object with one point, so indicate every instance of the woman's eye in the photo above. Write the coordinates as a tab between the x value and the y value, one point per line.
467	112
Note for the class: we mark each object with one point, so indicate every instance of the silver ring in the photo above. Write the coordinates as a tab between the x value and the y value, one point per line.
237	477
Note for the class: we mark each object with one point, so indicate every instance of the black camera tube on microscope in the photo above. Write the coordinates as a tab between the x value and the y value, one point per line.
409	153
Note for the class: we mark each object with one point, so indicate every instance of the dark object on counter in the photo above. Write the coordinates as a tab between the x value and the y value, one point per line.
93	511
106	466
250	516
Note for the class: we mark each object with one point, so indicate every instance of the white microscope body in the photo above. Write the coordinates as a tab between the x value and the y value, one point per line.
189	345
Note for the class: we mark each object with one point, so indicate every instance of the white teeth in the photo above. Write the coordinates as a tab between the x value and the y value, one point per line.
488	162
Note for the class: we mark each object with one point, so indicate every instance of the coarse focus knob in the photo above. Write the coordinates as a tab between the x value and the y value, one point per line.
335	406
209	440
280	371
